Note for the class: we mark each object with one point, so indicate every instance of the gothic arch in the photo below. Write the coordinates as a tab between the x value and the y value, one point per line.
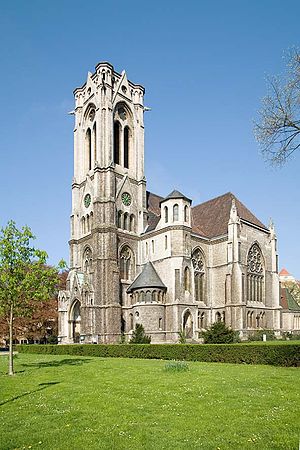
75	320
187	323
199	270
87	260
126	262
255	274
123	134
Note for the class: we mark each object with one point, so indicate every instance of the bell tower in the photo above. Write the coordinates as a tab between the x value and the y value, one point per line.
108	193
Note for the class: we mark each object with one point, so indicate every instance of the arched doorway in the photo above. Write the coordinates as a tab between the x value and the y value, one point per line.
75	320
188	324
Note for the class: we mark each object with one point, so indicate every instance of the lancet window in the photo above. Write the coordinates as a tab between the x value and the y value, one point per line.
126	263
199	275
255	275
123	126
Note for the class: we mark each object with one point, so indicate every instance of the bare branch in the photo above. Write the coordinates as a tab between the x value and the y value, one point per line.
278	128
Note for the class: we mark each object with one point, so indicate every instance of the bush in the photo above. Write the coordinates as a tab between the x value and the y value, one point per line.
279	353
182	337
52	340
258	335
138	336
218	333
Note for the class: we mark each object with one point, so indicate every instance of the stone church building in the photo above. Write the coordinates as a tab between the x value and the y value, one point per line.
137	257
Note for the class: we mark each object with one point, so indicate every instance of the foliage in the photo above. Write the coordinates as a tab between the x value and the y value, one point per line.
176	366
288	336
258	335
278	353
24	276
182	336
139	336
278	130
219	333
136	404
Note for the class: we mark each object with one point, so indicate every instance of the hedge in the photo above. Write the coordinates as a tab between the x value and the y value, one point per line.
273	353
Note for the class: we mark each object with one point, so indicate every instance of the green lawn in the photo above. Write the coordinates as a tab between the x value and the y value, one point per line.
65	402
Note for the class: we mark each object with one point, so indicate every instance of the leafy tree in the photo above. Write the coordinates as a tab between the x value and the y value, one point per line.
219	333
139	336
24	277
294	289
278	130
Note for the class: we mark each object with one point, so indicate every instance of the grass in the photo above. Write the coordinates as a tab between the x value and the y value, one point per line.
74	403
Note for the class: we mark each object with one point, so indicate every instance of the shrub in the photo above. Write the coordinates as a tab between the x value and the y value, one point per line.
182	337
278	353
219	333
52	340
138	336
258	335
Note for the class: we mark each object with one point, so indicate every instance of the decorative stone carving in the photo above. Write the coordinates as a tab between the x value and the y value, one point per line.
254	261
197	261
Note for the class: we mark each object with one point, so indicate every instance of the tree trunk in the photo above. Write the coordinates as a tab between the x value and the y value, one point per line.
11	357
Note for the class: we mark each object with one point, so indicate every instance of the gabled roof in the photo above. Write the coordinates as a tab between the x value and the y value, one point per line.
148	278
211	217
284	272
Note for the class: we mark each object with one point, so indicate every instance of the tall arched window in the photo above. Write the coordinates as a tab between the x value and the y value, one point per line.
117	129
126	147
126	263
187	279
199	274
88	148
166	214
175	212
120	219
201	319
87	264
126	221
255	275
186	213
132	224
95	142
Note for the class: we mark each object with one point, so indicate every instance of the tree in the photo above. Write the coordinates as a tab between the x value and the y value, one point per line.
219	333
24	277
138	335
294	289
278	130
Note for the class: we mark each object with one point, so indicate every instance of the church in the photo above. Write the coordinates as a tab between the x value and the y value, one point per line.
137	257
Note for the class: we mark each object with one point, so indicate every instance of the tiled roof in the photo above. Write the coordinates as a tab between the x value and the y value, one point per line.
209	219
283	272
153	202
212	217
148	278
287	301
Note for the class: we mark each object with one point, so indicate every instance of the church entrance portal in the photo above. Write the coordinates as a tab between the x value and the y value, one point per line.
75	320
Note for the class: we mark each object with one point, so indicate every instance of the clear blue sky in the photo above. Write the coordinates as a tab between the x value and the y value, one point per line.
203	64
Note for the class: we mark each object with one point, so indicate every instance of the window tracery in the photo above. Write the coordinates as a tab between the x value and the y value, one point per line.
255	274
199	275
125	263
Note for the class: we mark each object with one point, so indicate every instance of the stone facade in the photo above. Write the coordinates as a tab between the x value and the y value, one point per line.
136	257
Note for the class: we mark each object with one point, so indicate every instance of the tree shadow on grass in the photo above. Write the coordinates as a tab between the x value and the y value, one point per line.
55	363
41	388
